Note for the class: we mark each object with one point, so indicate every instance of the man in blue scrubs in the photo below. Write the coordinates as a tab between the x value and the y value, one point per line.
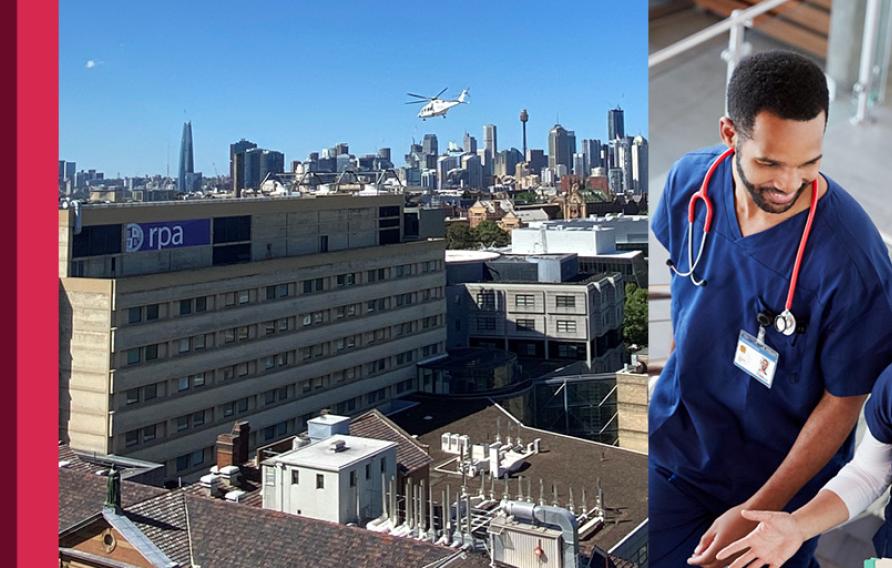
722	440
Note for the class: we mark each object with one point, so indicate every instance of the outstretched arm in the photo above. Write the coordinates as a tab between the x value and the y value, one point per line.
779	535
823	433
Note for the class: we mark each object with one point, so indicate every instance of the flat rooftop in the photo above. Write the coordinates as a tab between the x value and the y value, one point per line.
565	461
319	455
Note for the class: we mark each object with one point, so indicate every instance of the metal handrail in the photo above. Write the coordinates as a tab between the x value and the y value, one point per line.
736	19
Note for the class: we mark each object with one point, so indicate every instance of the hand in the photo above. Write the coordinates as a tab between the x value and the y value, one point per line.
729	527
774	541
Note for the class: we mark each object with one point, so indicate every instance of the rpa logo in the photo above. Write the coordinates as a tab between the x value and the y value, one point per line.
135	237
153	237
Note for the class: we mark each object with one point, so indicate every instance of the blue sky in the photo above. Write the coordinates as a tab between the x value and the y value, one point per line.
300	76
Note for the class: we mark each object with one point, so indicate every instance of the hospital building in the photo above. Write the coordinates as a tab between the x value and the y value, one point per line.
179	318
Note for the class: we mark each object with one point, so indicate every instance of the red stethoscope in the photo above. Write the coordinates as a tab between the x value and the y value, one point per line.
784	322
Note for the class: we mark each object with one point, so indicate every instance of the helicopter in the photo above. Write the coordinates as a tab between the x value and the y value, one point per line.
435	105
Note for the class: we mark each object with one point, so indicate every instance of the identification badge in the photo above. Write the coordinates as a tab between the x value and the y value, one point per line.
755	358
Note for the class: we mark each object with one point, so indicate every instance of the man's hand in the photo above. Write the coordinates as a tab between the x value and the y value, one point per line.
729	527
773	542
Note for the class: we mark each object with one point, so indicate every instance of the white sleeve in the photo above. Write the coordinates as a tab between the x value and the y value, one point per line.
866	477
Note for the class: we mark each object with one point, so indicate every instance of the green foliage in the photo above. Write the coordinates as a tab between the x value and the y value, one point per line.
635	323
459	236
488	234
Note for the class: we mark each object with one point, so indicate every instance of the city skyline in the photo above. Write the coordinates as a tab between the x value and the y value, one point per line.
107	68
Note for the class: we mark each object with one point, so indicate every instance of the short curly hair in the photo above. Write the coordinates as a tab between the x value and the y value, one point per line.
781	82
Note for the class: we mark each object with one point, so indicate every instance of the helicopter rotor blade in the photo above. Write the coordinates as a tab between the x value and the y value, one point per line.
418	96
437	96
415	102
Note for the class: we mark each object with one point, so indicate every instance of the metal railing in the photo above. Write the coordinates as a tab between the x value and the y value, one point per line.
738	48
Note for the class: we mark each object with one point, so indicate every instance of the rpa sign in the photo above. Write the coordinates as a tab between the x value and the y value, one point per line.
172	234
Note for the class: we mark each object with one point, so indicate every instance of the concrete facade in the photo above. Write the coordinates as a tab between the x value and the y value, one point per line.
161	350
632	399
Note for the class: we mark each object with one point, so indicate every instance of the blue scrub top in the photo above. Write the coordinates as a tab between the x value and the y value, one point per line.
878	415
712	424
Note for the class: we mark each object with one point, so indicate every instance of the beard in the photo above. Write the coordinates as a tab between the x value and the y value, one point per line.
758	193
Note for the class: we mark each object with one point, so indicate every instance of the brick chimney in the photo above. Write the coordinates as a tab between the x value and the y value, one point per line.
232	448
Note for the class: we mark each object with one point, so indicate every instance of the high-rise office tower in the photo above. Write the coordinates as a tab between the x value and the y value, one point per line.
579	165
237	164
639	164
592	151
560	150
490	142
615	127
187	165
470	144
429	145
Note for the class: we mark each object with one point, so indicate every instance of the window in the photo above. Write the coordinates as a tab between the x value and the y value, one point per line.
524	300
134	315
308	286
133	356
295	476
368	471
228	409
198	419
269	397
228	335
242	333
269	475
242	369
243	405
323	243
244	297
183	462
320	481
150	392
486	324
197	457
269	433
182	423
353	478
270	292
199	342
371	276
228	372
346	280
229	299
566	326
183	384
283	324
201	304
184	345
131	438
277	291
151	312
486	300
565	301
185	307
232	229
151	352
197	380
132	396
269	327
525	325
149	433
383	465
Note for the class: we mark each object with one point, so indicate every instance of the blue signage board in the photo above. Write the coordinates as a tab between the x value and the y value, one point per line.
165	235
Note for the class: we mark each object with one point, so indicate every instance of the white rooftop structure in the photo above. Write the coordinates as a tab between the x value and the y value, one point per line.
333	454
594	236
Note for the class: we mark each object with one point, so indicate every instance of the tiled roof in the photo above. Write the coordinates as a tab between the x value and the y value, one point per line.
81	494
411	454
231	535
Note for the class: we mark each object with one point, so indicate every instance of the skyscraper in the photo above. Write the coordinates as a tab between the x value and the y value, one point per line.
187	165
237	164
470	144
592	151
559	147
639	164
615	127
490	142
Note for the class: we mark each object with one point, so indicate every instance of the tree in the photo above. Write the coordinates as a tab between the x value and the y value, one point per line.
488	234
459	236
635	322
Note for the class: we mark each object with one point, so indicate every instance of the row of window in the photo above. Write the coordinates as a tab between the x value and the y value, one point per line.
201	304
292	358
489	324
486	300
201	342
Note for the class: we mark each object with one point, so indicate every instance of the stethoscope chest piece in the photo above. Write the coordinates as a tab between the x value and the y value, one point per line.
785	323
